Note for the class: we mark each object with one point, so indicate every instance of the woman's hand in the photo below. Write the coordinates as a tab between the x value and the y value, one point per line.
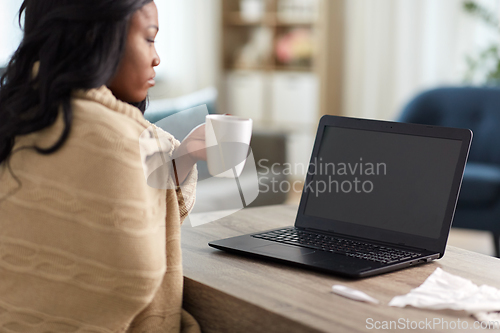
191	150
195	144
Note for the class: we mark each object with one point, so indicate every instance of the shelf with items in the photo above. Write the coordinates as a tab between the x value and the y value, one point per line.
269	34
292	23
297	10
238	19
247	48
253	50
294	47
285	68
268	19
267	50
269	63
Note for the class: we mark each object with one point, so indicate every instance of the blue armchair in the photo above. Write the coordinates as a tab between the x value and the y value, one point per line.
476	108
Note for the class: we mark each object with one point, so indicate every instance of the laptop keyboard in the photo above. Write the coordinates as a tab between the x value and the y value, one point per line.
344	246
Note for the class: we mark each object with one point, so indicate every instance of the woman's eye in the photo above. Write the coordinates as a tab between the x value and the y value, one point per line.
150	40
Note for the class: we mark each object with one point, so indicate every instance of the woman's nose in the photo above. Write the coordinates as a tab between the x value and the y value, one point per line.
156	59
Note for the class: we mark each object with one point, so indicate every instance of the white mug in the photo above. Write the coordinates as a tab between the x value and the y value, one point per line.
228	140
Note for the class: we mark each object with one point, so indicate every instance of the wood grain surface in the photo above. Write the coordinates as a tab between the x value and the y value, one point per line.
230	293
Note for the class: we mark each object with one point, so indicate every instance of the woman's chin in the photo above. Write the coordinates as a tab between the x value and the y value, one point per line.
138	98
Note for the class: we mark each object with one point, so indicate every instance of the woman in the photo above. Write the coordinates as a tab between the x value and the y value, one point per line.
82	235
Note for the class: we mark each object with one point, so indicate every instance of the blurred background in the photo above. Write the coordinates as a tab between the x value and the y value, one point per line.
285	63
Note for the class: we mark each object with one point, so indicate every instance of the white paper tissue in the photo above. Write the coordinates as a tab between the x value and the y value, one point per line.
442	290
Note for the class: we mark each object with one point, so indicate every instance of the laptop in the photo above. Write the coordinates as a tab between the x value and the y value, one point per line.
378	196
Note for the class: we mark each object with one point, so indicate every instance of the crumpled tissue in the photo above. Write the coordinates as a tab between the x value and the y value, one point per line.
442	290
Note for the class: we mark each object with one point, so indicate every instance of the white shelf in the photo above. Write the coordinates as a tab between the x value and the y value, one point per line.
294	98
245	93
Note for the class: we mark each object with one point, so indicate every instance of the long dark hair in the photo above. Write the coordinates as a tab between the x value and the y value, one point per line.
78	45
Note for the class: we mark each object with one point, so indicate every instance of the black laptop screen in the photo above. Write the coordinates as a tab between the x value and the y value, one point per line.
383	180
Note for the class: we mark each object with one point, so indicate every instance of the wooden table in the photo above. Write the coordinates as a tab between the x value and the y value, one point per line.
230	293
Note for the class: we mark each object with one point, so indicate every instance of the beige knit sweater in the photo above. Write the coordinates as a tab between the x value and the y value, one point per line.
85	244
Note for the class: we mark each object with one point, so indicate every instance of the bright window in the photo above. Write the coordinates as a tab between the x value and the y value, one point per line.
10	33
